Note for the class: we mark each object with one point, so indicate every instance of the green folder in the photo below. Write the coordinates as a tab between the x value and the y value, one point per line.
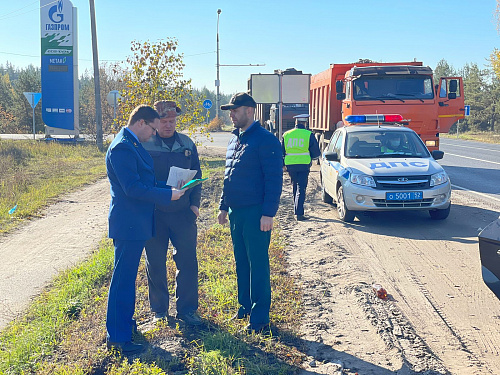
193	183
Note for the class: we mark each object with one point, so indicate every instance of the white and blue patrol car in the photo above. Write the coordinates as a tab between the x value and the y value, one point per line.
381	168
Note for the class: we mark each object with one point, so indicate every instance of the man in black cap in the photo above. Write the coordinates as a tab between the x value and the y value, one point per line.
175	223
250	197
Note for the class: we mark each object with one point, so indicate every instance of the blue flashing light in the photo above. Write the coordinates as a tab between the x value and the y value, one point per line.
356	119
363	119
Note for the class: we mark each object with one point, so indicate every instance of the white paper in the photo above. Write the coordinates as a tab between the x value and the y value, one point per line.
176	175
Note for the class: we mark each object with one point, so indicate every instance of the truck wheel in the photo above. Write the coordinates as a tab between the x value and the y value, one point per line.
440	214
325	197
344	214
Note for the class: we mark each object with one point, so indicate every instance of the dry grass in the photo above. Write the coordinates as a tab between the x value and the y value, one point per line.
218	348
32	174
487	137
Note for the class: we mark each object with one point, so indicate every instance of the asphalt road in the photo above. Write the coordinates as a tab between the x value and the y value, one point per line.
473	166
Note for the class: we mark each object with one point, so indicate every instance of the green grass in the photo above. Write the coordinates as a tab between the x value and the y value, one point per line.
26	342
64	330
32	174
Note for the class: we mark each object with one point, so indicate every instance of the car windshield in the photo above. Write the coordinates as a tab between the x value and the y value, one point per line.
402	88
384	144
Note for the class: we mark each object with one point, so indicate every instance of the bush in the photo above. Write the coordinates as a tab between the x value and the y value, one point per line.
216	125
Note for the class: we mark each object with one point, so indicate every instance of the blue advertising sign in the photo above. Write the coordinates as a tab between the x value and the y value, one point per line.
207	104
57	63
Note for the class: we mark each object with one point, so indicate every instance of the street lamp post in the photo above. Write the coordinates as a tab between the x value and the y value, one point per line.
217	81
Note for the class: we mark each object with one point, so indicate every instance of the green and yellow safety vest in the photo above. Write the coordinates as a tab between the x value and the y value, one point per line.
297	146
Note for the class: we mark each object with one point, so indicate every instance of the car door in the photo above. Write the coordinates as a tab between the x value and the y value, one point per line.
327	170
451	102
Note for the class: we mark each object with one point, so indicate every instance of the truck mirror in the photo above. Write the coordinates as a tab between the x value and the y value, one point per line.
452	95
341	96
453	86
339	86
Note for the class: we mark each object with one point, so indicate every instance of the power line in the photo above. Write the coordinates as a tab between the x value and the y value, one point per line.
5	16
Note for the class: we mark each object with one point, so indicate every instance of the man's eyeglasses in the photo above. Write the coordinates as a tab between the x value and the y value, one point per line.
148	124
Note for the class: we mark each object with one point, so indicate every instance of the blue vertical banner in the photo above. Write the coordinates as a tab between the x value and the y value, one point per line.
58	104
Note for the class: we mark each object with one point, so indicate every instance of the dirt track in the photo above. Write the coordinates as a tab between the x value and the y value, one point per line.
439	318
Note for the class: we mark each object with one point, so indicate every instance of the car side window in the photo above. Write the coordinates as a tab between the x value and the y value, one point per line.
338	144
333	140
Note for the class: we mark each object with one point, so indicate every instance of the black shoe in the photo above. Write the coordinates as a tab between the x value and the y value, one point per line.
257	329
241	314
125	347
301	217
134	327
191	319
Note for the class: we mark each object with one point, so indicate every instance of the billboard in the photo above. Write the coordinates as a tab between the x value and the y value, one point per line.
265	88
59	65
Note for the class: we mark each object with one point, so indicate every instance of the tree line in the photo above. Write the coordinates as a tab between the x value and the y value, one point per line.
154	72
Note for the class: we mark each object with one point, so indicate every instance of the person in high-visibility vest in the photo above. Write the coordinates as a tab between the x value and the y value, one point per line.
300	147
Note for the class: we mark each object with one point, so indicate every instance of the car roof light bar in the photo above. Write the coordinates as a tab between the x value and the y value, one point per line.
364	119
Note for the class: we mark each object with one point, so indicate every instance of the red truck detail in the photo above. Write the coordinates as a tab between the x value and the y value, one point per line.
405	88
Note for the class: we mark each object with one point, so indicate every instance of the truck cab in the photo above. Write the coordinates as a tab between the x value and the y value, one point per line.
408	90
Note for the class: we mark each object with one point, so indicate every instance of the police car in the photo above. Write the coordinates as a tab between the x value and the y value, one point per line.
382	167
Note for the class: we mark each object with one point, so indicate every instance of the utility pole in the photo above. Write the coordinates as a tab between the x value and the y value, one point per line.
217	81
97	84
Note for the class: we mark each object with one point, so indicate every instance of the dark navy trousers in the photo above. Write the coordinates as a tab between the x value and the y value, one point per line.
121	297
180	228
251	247
299	184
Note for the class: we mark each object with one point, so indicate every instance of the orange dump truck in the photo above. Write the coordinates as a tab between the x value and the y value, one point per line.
370	88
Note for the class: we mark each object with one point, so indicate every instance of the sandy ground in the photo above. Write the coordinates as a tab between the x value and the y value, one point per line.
439	317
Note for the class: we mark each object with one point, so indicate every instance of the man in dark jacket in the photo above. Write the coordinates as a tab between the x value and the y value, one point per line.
175	223
252	187
134	193
299	148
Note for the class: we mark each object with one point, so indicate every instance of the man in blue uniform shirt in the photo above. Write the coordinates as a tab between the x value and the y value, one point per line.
175	222
250	197
134	193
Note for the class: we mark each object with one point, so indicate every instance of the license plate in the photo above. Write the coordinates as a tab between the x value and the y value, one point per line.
404	196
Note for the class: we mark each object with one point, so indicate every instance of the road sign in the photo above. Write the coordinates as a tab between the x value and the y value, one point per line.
113	97
33	98
207	104
467	110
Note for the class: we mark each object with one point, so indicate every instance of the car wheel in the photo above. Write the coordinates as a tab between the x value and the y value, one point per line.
440	214
324	195
344	214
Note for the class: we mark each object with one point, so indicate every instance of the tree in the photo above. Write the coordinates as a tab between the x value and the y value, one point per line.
154	72
28	80
8	120
109	80
205	93
476	89
443	69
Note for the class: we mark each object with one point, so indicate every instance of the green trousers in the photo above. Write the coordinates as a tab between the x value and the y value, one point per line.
251	247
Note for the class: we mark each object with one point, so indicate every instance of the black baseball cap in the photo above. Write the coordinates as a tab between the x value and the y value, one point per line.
240	99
